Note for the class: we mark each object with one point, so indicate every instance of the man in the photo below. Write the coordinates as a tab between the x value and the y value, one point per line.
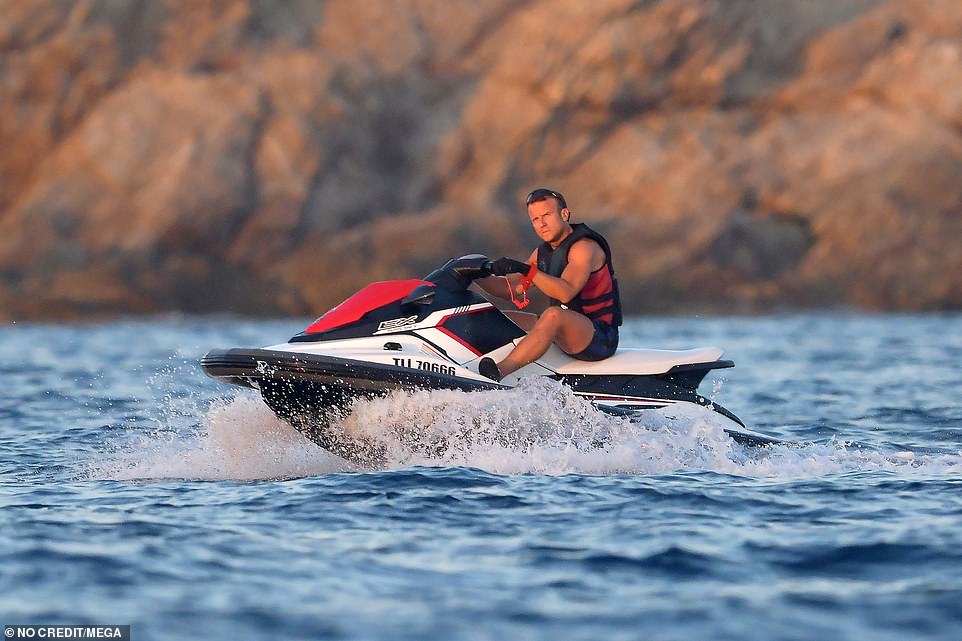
572	266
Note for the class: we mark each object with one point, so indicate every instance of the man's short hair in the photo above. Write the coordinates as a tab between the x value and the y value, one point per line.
542	193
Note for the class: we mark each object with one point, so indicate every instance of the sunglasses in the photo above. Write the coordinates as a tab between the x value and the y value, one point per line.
543	194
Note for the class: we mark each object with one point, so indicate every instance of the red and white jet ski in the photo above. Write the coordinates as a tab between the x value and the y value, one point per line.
431	334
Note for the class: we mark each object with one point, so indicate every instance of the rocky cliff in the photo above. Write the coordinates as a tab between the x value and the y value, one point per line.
260	156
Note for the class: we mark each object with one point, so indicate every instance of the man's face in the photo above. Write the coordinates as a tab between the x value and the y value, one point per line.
549	220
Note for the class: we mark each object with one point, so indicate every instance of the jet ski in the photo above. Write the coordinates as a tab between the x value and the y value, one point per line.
431	333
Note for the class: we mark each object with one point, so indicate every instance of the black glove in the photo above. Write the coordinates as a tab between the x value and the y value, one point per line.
505	266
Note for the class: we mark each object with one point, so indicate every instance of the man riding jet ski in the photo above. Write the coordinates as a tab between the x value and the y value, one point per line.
436	333
573	267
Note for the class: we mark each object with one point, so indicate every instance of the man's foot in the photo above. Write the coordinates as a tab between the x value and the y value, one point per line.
487	367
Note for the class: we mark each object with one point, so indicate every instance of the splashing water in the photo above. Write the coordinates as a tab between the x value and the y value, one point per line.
239	439
541	426
538	427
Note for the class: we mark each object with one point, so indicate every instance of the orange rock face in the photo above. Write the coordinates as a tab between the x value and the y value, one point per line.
272	157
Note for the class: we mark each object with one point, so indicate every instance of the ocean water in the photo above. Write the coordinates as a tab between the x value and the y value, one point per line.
135	490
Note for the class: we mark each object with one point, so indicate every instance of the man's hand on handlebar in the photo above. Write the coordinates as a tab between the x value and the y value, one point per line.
505	266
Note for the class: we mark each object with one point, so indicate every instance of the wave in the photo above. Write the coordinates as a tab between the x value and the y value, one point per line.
538	427
237	439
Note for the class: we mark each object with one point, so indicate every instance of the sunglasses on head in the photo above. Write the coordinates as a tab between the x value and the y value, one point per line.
543	194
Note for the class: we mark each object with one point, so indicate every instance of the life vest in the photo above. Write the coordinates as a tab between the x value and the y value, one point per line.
598	299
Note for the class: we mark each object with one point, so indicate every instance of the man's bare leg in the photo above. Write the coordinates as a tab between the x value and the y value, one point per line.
570	330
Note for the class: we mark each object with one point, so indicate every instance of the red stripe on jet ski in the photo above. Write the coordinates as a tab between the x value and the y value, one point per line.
460	340
448	332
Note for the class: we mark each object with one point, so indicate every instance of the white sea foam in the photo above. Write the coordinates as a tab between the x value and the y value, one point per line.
539	427
542	427
238	439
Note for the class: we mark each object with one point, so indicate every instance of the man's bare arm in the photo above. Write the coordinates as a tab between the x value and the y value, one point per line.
584	257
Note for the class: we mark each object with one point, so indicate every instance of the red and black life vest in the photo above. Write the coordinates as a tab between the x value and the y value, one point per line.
598	299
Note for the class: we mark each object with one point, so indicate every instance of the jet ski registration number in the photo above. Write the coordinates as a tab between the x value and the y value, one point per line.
428	366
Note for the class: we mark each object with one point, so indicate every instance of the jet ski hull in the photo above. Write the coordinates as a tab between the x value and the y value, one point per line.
329	379
310	391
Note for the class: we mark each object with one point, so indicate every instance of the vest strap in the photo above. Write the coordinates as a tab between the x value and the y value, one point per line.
598	299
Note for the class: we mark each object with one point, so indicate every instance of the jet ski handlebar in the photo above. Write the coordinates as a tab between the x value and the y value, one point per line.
459	273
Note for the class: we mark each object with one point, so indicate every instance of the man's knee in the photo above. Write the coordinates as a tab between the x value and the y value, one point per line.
551	319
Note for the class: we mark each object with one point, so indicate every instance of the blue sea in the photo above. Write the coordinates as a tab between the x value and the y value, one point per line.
135	490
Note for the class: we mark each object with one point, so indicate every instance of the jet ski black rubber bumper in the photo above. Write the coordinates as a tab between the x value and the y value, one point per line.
253	367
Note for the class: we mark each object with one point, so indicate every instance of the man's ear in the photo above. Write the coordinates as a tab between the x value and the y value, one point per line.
565	214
